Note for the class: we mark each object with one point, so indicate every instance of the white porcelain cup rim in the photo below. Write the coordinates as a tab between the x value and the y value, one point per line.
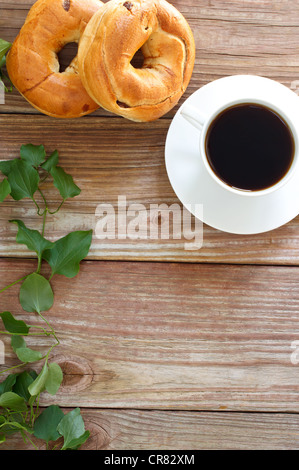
202	123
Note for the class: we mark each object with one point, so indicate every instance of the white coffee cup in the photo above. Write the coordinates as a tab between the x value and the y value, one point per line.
276	102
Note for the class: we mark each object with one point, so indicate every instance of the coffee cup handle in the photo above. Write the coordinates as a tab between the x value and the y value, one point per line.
193	116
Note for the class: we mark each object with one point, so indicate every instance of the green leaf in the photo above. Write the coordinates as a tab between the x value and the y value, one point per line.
65	256
51	161
12	401
23	180
22	383
8	383
35	155
4	78
2	62
64	183
36	294
54	379
72	428
5	189
38	385
6	166
45	426
4	47
77	441
32	238
33	374
17	342
16	423
12	325
28	355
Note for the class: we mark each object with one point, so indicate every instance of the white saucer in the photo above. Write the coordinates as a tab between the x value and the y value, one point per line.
193	185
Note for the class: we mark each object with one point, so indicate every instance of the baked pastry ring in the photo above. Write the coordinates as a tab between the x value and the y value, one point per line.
110	41
33	65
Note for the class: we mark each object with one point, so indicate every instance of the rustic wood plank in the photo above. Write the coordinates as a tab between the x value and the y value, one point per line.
164	430
177	336
171	336
123	159
259	37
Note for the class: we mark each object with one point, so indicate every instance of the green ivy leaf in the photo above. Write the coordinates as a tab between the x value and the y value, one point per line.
4	78
5	189
22	383
6	166
4	47
32	238
8	383
36	294
51	162
64	183
13	402
17	342
72	428
68	252
45	426
35	155
28	355
38	385
12	325
54	379
23	180
2	62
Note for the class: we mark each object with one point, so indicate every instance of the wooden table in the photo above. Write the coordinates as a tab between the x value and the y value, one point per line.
164	348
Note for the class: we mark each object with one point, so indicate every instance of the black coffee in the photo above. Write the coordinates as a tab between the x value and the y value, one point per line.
249	147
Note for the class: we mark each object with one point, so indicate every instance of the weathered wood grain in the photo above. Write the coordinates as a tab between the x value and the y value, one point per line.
112	157
259	37
123	158
171	336
166	430
155	337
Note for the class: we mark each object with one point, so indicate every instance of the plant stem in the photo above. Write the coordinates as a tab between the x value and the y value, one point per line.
43	232
52	330
44	199
13	283
59	207
44	221
37	206
39	264
44	179
32	443
13	367
45	332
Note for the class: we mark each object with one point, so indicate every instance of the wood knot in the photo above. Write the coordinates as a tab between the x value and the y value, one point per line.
66	4
77	373
99	438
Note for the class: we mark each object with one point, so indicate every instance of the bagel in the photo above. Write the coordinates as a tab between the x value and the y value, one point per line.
33	65
109	43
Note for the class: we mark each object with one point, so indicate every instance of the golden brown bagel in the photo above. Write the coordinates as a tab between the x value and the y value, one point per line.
111	39
33	65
